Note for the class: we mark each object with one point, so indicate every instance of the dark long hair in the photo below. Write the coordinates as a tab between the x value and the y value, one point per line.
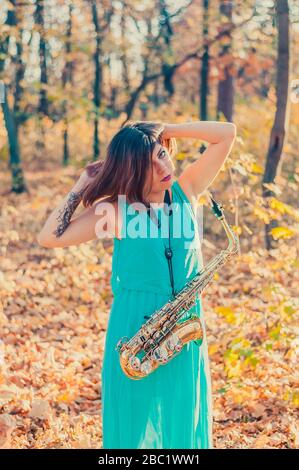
128	158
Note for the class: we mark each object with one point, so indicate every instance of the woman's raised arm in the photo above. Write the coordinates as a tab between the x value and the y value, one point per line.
198	176
62	230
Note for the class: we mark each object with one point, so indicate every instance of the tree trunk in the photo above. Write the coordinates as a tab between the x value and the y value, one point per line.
281	120
67	79
101	25
97	86
226	83
166	33
17	176
204	86
13	116
123	54
43	95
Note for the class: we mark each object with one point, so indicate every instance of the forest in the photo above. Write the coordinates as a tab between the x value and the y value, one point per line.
72	72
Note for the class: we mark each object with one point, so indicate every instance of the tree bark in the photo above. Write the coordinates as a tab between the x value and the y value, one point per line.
67	78
100	26
43	95
226	85
281	120
204	86
12	117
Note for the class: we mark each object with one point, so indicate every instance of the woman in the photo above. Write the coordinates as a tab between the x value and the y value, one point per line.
172	406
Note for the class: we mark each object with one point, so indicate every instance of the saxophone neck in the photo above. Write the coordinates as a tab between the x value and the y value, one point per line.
233	242
216	207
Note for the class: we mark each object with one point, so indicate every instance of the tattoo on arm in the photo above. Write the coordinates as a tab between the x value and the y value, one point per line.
65	214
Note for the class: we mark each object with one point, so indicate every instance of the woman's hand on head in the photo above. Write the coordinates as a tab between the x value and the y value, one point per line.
93	168
83	181
88	175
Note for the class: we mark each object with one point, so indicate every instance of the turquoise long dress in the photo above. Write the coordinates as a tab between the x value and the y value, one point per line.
171	408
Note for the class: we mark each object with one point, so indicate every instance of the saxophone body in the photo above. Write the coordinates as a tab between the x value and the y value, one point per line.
165	333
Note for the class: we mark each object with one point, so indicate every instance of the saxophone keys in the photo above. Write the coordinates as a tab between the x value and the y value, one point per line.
172	341
160	354
148	344
146	367
134	362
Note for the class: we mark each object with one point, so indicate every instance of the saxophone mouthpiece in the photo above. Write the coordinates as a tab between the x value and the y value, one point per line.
216	208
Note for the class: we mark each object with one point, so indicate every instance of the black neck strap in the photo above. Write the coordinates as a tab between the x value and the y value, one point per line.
152	215
168	250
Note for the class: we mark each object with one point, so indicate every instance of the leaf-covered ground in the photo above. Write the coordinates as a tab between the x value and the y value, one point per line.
53	315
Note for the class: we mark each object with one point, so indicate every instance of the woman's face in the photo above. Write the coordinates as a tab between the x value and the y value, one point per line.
162	166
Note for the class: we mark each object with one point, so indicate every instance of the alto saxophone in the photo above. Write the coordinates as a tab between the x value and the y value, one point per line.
163	336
